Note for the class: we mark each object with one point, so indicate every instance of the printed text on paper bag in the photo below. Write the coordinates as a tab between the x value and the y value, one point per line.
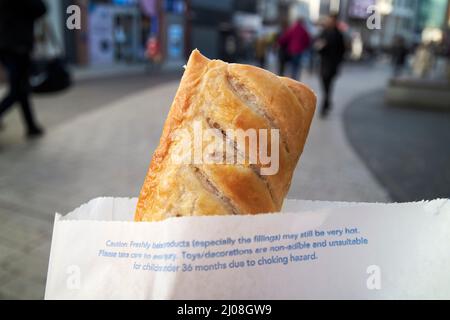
199	255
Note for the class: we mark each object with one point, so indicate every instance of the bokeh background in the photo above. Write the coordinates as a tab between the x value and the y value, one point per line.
386	139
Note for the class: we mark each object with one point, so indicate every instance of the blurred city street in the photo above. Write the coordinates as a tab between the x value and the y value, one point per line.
380	69
101	144
52	174
407	149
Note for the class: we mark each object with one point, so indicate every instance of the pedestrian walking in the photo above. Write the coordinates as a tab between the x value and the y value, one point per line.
331	47
283	56
399	54
295	40
16	44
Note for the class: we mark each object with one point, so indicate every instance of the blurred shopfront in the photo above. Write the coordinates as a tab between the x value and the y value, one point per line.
114	34
160	31
122	31
210	26
165	31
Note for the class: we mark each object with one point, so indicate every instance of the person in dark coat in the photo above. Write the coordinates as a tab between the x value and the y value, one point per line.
399	53
283	56
331	47
17	20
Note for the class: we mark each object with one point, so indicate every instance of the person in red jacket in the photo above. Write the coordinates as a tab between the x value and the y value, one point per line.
295	40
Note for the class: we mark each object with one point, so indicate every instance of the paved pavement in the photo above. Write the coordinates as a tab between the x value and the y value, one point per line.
104	148
329	169
407	149
89	94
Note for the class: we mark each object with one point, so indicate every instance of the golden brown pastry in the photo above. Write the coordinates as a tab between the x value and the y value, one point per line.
188	176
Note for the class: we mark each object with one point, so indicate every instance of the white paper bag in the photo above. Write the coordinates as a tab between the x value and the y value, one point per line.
312	250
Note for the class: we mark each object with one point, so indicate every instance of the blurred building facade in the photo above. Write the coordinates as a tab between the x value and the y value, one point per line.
165	31
401	20
121	31
397	18
414	20
210	26
433	19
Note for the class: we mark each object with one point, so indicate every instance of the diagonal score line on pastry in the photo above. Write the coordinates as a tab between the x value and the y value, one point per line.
256	99
232	143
